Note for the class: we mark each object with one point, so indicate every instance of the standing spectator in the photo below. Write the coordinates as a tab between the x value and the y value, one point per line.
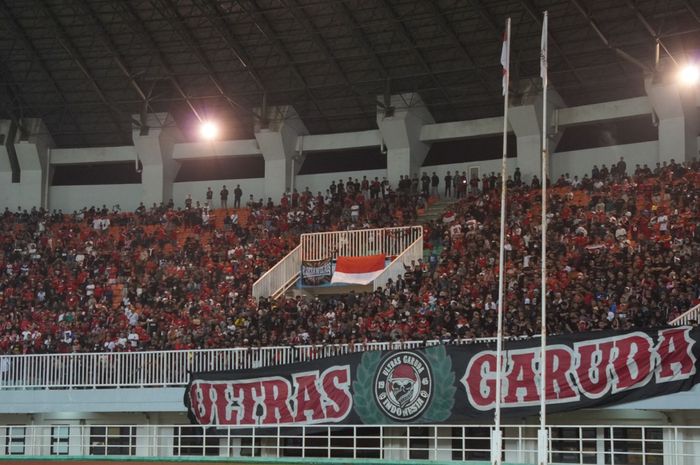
517	177
435	182
448	185
188	202
425	184
621	168
224	197
210	198
237	194
365	187
374	188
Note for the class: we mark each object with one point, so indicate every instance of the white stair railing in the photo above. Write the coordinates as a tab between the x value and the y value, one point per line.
688	317
278	278
359	242
319	246
398	266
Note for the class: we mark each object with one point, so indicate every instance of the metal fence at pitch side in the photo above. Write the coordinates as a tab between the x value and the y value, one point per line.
575	444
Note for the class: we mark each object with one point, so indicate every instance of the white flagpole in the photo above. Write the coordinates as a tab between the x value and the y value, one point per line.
496	438
542	437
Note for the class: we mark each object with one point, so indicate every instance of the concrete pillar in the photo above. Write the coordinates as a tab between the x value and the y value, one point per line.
676	109
8	190
278	143
33	151
154	148
525	117
400	129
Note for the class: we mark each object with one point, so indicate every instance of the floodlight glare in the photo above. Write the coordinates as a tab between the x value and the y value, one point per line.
689	75
209	130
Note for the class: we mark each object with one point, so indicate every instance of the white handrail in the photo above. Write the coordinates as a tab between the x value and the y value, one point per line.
358	242
279	277
691	315
398	266
165	368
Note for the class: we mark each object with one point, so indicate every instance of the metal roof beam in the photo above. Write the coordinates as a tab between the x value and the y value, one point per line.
214	17
133	18
316	37
262	25
173	17
605	40
343	8
27	44
691	10
403	31
438	14
67	45
107	42
642	19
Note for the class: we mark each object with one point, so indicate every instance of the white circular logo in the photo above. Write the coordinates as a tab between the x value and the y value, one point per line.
403	386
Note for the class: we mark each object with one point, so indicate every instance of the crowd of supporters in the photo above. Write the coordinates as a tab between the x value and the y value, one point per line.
160	277
622	252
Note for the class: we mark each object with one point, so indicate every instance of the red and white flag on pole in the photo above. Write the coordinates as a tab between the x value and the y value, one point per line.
505	60
543	50
358	270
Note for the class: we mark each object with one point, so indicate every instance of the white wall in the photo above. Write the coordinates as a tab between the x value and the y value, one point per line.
224	148
9	192
93	155
580	162
338	141
71	198
198	189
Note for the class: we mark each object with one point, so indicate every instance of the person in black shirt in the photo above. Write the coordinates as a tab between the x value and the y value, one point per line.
448	185
210	197
425	185
224	197
435	182
237	194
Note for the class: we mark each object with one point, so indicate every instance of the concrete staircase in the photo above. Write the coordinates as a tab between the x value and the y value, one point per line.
434	213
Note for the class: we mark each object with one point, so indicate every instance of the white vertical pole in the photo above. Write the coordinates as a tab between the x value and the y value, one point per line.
542	434
496	437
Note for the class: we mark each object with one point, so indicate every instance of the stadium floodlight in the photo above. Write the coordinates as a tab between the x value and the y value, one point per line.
689	75
209	130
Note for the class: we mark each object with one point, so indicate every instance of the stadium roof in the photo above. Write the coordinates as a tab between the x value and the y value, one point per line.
86	66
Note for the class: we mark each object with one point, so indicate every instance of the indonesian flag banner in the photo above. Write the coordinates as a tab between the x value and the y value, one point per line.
451	383
505	60
358	270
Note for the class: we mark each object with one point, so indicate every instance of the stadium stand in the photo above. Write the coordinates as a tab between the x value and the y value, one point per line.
623	254
271	232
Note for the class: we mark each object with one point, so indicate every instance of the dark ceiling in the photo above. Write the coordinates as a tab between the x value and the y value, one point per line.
86	66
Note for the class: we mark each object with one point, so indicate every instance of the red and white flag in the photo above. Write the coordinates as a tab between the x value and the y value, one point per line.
358	270
505	59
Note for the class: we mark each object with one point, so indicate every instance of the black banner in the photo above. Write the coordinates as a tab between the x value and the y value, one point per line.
451	383
316	273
